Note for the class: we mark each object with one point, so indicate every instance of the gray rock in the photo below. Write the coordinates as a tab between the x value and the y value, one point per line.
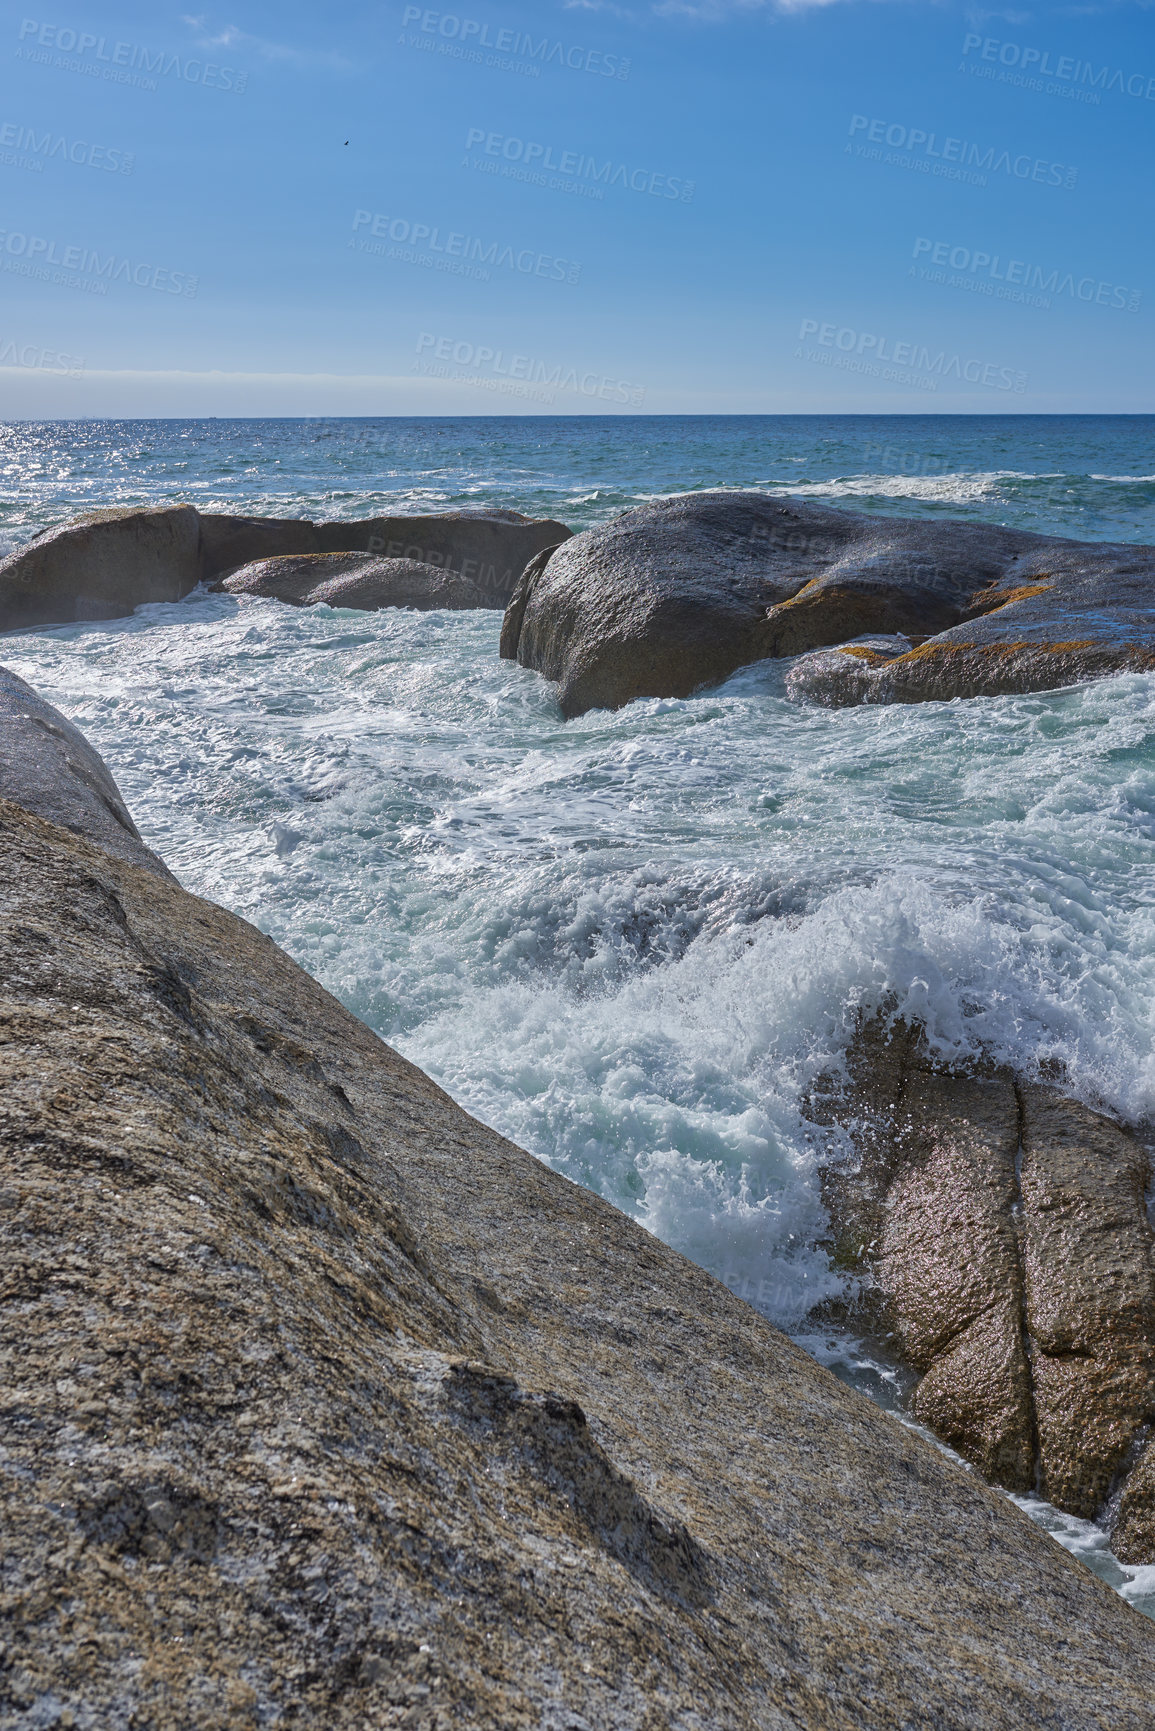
360	580
679	593
48	767
229	542
104	565
325	1405
293	576
100	567
489	548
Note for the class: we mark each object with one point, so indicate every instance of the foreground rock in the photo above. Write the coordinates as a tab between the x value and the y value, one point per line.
103	565
1004	1229
681	592
324	1404
360	580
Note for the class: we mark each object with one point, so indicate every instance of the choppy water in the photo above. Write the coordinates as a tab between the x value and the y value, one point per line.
631	941
1089	476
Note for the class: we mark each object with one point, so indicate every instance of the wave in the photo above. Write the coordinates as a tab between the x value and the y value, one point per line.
632	943
955	489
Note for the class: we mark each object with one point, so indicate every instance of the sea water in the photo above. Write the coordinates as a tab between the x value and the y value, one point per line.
634	941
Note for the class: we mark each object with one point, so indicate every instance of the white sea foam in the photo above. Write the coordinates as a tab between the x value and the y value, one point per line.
1091	1544
952	489
633	942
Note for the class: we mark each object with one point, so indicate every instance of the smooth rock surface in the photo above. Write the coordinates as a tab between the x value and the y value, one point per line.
101	566
104	565
681	592
1011	1263
323	1404
48	767
490	548
291	577
361	580
228	542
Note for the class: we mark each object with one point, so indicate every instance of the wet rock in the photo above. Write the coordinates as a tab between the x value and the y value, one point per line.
47	766
100	567
392	1425
681	592
361	580
1133	1533
958	664
1010	1262
1089	1265
401	583
663	599
1067	612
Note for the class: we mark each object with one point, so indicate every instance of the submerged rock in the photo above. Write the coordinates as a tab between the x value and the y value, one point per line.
1011	1264
327	1405
104	565
359	580
681	592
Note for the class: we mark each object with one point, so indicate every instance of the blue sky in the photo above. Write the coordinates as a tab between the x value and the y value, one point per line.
728	206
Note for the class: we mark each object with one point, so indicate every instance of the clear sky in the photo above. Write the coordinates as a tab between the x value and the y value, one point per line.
692	206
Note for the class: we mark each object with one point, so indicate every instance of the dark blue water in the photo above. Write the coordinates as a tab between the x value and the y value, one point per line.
1088	476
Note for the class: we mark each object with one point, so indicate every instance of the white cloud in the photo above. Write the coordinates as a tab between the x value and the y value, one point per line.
230	36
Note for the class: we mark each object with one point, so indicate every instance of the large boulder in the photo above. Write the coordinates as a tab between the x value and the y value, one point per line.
101	566
104	565
325	1405
680	592
48	767
360	580
1009	1261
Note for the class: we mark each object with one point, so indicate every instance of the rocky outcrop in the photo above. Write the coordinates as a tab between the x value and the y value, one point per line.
486	548
325	1405
104	565
681	592
359	580
48	767
489	548
1010	1262
1034	637
101	567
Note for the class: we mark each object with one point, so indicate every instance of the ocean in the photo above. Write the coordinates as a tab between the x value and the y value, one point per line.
633	941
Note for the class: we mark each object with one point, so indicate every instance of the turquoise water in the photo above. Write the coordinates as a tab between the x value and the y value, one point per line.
632	941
